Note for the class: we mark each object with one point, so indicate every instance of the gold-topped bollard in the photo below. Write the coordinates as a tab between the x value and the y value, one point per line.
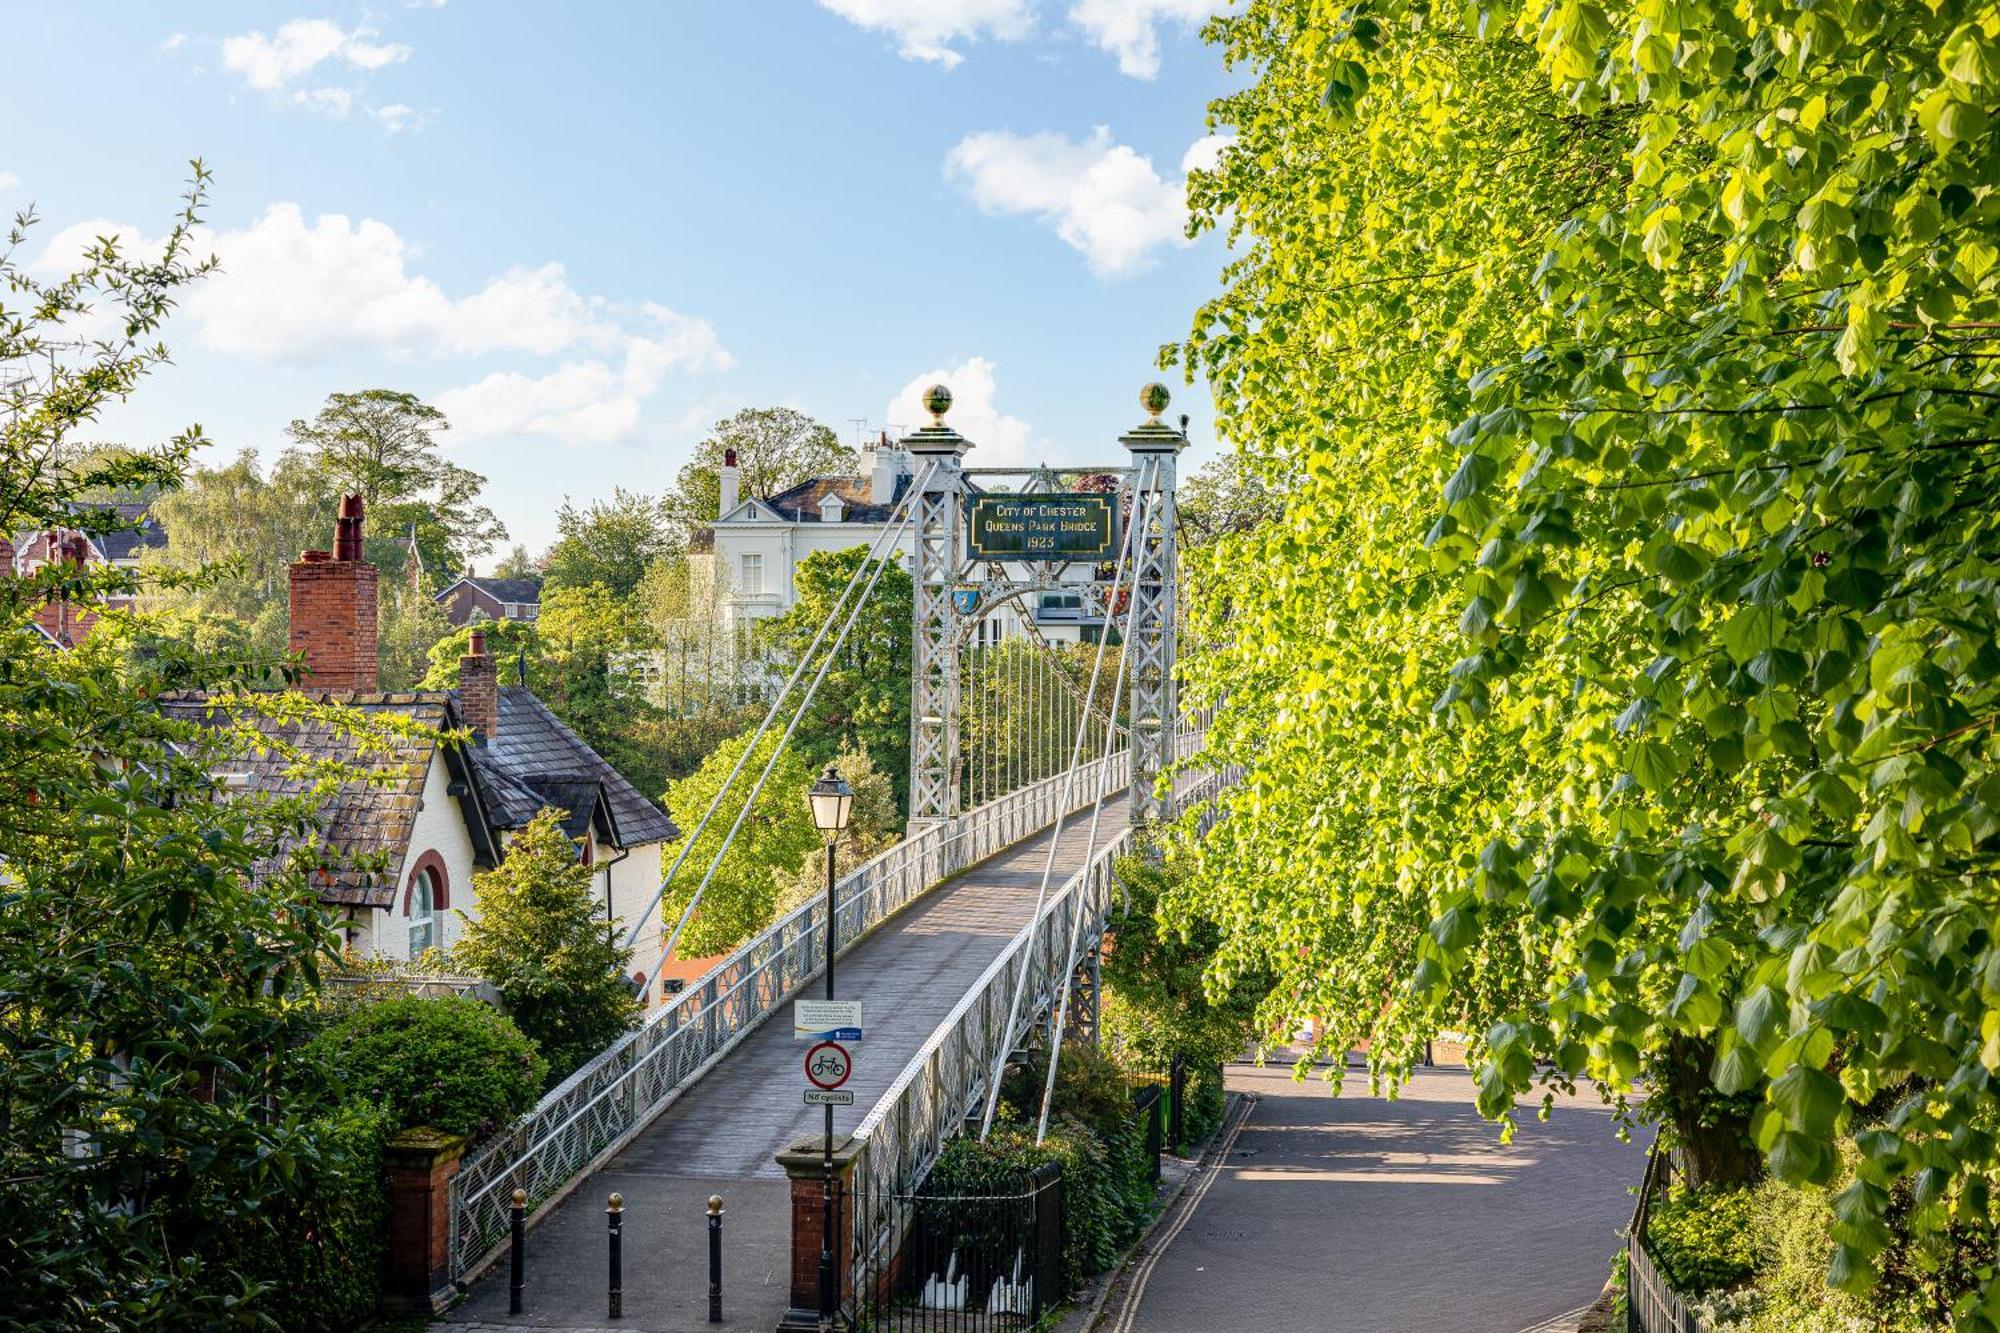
715	1258
516	1264
614	1218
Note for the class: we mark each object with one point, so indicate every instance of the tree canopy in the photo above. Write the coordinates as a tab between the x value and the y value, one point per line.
610	543
775	447
1619	681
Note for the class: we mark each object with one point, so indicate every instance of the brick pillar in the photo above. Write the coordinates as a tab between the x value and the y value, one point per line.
479	688
805	1165
418	1166
333	604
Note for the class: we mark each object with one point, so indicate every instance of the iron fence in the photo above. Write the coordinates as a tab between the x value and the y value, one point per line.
968	1263
1651	1303
593	1113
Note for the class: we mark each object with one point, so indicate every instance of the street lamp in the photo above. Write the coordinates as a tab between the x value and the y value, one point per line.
832	801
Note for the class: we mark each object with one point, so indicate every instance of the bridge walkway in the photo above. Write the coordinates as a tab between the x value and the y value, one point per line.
723	1134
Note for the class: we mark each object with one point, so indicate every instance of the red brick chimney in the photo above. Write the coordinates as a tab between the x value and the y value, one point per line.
334	608
479	688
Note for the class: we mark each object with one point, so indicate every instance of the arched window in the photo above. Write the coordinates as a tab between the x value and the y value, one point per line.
424	901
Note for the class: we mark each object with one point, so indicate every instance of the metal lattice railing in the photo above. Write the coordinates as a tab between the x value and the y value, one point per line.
598	1109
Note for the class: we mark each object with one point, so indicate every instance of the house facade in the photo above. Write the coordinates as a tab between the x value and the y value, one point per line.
119	535
470	598
396	851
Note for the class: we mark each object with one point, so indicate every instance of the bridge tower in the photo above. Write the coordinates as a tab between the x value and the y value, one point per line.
950	592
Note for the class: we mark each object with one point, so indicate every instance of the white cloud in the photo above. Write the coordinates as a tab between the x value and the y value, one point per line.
396	117
1205	152
272	64
174	42
1104	199
295	291
923	29
9	181
1130	29
998	439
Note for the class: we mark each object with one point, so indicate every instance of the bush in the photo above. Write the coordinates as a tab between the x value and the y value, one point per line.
1703	1240
323	1259
1004	1165
450	1063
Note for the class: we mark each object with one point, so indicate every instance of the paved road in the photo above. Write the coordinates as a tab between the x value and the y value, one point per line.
1364	1215
721	1136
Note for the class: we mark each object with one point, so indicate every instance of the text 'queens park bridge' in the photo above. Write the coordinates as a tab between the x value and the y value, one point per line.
966	942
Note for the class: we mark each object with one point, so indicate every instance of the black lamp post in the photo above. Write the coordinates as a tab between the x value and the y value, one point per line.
832	802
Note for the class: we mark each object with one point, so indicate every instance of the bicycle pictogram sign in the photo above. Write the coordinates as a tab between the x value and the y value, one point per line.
828	1064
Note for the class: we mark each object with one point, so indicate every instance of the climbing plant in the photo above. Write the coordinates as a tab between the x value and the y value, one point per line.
1620	680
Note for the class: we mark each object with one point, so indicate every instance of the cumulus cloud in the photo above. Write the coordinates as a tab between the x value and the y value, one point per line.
1104	199
305	62
998	439
9	181
1130	29
924	29
297	291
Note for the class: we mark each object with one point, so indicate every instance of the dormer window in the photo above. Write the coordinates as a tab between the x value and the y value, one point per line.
832	509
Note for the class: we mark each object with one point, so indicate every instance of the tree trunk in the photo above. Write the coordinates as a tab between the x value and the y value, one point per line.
1712	1130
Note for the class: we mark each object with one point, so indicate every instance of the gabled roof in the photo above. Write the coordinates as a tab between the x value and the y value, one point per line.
365	828
750	509
537	754
500	590
801	503
130	523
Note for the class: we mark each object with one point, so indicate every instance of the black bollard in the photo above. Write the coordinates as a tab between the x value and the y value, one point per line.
515	1264
715	1258
614	1218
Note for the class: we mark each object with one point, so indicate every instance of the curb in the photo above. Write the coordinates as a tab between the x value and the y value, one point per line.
1108	1281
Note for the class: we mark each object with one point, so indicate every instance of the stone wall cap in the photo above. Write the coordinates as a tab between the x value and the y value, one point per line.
806	1155
426	1144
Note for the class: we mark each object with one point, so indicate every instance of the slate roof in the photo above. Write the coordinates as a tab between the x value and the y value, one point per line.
801	503
364	830
508	590
535	754
134	529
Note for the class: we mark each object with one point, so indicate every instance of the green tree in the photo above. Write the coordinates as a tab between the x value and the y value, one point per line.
517	564
541	938
382	445
776	447
610	543
776	837
410	625
1618	680
874	823
1155	1005
158	1113
864	701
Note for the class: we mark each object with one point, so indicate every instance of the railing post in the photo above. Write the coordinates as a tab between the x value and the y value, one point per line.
517	1227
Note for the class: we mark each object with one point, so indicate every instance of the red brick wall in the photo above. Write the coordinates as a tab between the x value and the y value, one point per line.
417	1267
479	688
334	621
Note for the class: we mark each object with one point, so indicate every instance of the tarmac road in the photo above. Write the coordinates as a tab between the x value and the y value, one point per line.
1363	1215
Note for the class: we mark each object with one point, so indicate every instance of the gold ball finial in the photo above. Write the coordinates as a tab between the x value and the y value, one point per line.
616	1203
1154	398
937	401
715	1205
520	1198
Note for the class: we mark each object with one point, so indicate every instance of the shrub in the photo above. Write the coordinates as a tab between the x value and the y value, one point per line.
449	1063
323	1257
1006	1161
1703	1239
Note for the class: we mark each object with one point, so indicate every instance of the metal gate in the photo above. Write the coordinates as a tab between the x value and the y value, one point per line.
966	1263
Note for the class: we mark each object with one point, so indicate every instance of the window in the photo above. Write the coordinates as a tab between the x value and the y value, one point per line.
425	899
753	573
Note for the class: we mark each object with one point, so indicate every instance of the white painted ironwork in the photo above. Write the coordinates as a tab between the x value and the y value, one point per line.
592	1115
1150	646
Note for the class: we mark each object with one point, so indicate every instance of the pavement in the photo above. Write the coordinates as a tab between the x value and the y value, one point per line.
722	1136
1359	1214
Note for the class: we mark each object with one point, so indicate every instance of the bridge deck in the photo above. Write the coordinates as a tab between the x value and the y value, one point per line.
723	1134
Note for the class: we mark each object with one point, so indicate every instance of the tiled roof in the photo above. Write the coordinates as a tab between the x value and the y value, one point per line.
123	542
533	747
509	590
801	503
365	829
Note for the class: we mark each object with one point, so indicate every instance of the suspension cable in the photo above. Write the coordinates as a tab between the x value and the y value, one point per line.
1089	849
891	531
1055	838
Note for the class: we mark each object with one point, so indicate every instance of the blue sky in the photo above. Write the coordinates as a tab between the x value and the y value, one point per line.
588	231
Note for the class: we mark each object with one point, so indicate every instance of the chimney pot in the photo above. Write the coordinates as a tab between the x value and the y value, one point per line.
334	608
726	484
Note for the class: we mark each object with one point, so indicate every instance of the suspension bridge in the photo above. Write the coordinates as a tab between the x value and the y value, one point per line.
972	939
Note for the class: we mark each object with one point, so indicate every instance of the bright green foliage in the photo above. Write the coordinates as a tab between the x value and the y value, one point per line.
1623	670
153	993
409	625
609	543
864	700
323	1257
776	447
1154	1005
449	1063
541	938
1703	1239
873	824
776	838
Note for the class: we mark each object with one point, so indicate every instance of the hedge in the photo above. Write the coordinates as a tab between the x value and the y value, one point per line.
446	1063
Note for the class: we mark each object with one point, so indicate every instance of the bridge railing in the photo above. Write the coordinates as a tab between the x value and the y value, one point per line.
593	1113
945	1083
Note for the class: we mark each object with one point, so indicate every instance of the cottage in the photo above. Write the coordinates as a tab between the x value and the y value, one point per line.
468	599
109	534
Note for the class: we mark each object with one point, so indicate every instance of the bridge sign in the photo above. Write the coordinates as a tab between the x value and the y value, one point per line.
829	1097
826	1020
1041	527
828	1065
